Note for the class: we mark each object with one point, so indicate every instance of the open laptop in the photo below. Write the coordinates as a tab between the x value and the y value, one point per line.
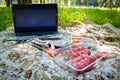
34	20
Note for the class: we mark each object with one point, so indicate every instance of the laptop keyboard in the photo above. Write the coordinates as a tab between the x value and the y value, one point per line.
44	36
21	37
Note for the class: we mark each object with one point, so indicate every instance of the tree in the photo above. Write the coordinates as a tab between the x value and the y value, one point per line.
110	4
100	3
104	3
87	2
40	1
94	3
24	1
117	3
43	1
8	2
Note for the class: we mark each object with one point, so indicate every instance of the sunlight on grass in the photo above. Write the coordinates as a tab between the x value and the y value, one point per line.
2	4
96	14
66	15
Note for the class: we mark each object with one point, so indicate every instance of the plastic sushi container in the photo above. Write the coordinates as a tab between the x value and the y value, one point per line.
78	60
80	57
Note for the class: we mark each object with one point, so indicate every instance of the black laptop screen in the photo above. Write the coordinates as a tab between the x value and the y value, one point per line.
35	17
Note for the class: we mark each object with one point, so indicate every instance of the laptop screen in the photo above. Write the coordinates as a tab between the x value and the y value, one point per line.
35	17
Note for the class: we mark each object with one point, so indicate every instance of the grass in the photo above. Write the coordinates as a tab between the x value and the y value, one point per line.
98	15
5	18
68	14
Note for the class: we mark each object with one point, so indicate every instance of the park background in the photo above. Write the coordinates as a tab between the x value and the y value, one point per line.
99	11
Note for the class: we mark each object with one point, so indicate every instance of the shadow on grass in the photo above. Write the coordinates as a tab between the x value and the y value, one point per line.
5	17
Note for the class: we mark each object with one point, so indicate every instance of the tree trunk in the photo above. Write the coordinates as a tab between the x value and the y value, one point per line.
8	2
24	1
87	2
100	3
110	5
69	2
40	1
19	2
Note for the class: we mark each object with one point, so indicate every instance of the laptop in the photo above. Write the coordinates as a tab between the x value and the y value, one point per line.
34	20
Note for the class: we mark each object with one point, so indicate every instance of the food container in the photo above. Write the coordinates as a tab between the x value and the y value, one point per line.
77	59
81	56
59	46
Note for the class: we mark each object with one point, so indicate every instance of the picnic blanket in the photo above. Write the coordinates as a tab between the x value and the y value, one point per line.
25	62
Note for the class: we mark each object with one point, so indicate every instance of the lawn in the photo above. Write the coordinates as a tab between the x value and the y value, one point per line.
68	14
5	18
98	15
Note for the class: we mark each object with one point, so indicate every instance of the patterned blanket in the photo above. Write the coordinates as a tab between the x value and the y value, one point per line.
25	62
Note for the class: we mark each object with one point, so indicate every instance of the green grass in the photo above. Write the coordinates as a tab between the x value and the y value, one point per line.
98	15
68	14
5	18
